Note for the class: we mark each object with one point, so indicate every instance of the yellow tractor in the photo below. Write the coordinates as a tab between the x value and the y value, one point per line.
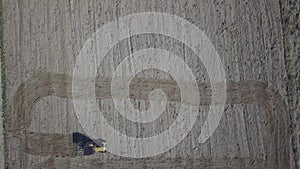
87	146
98	148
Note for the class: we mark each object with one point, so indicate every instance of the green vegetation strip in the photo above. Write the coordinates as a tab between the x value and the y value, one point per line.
290	24
4	87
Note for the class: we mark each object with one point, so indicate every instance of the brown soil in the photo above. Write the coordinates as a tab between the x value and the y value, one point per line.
30	92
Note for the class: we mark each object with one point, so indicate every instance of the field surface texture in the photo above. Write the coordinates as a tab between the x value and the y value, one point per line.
257	43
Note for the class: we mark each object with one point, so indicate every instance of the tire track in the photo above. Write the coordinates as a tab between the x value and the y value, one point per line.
48	84
157	163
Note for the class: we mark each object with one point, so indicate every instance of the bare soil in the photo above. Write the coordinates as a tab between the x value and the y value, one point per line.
43	39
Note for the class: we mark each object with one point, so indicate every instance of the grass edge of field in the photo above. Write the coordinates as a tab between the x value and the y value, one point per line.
4	92
289	9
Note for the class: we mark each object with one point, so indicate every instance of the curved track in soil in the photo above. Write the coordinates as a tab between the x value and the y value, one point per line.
48	84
